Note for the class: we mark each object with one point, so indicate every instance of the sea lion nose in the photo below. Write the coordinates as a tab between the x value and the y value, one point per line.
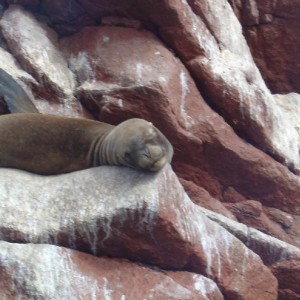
155	151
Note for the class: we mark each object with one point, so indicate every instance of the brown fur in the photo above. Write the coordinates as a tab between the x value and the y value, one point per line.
47	144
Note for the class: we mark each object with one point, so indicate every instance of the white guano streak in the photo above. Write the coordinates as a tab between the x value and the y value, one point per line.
184	92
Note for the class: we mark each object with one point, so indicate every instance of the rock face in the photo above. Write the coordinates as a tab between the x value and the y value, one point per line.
186	67
43	60
153	221
49	272
272	32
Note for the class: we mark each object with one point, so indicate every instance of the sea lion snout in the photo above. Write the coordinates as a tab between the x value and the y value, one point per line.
154	151
153	158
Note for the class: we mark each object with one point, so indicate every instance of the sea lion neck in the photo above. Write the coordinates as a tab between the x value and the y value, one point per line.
99	153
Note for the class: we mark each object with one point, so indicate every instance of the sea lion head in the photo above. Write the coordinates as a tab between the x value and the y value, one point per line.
138	144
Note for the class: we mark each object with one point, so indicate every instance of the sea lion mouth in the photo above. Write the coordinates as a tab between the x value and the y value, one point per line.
158	164
145	161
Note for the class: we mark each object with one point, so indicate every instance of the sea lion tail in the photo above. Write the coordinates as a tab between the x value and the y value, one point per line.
13	94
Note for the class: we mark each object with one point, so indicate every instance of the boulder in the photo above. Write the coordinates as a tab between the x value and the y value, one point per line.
49	272
209	40
38	54
273	38
124	213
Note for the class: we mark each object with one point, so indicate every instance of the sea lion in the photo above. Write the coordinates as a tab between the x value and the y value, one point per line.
48	144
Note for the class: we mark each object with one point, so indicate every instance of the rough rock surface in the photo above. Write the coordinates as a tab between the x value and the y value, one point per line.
50	272
141	216
282	257
272	32
282	270
185	66
42	59
208	39
36	57
173	103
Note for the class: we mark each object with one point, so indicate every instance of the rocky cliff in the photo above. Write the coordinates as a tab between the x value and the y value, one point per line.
223	222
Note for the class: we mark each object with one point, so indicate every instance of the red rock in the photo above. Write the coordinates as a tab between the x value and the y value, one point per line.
208	39
3	107
213	162
201	197
15	25
283	271
251	213
139	216
213	155
67	16
232	196
293	228
98	9
288	295
270	249
121	21
210	146
280	217
59	273
38	53
274	42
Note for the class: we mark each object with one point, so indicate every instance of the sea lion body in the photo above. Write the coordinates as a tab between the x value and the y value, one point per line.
49	145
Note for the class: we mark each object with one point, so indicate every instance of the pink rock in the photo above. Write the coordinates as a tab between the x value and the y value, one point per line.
208	38
251	213
282	270
117	71
201	197
274	42
49	272
38	54
140	216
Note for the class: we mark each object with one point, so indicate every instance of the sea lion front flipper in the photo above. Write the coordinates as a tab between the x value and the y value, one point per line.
15	97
